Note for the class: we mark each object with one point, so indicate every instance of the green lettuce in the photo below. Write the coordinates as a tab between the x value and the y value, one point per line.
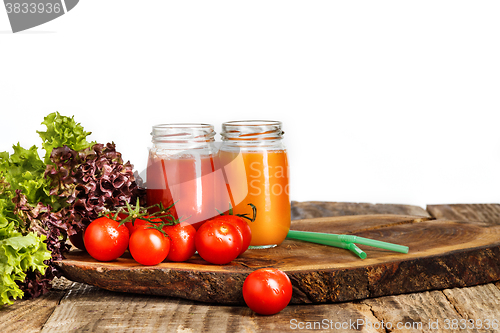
43	201
62	131
20	251
24	170
23	236
7	206
19	254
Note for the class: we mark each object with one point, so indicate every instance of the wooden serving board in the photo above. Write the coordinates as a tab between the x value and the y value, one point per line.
443	254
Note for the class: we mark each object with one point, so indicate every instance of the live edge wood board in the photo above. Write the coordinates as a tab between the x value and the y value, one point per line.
443	254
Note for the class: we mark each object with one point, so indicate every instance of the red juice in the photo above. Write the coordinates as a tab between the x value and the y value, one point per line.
186	182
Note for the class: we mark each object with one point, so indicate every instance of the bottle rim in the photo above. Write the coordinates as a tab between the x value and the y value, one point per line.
247	130
183	132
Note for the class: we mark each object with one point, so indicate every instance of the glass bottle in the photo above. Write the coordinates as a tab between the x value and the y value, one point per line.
254	164
180	170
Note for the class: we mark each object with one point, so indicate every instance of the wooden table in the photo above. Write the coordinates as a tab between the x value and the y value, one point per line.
73	306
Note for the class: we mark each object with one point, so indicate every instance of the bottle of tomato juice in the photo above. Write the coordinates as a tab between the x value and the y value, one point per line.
181	170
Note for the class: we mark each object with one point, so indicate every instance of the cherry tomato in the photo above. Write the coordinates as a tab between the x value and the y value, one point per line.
242	226
105	240
218	241
267	291
77	239
149	246
182	245
139	224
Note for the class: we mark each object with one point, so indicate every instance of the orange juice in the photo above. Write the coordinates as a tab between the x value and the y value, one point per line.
259	177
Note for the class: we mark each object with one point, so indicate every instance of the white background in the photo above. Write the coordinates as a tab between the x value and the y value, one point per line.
382	101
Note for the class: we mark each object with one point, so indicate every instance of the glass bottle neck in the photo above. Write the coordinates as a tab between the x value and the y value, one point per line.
182	135
252	133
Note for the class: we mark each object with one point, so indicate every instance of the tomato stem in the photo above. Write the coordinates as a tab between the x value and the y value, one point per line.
254	212
245	216
137	212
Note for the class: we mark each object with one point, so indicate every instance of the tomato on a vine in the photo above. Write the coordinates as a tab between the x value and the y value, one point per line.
105	239
141	223
243	227
77	239
182	246
218	241
149	246
148	243
138	217
267	291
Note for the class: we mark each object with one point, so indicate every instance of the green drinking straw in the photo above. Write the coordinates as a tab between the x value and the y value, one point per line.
353	248
344	241
356	250
302	235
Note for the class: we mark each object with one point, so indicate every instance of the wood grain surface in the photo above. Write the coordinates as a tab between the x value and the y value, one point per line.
442	254
79	307
311	209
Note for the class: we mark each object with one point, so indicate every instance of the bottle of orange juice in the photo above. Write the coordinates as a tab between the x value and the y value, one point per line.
254	166
181	171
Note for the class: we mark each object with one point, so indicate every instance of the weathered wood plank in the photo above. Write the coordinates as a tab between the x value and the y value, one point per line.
479	303
312	209
476	303
433	310
29	315
488	213
418	312
355	224
90	309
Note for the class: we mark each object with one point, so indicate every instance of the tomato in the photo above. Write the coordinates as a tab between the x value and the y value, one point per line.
267	291
105	240
182	245
218	241
243	228
139	223
149	246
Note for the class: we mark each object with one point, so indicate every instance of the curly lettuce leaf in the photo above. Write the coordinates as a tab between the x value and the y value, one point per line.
19	254
56	226
92	180
62	131
25	171
23	255
22	164
42	202
33	230
6	205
